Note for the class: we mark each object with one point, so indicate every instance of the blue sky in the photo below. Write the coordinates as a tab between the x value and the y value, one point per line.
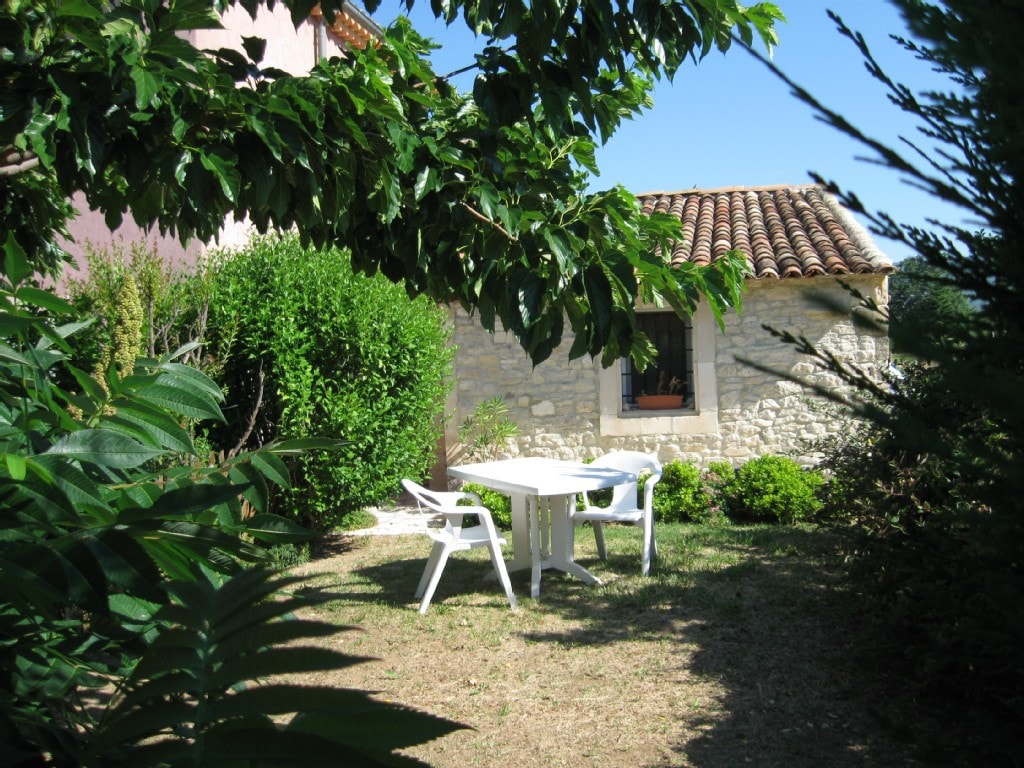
728	121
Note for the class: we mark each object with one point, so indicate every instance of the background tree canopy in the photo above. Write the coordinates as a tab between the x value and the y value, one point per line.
479	199
923	302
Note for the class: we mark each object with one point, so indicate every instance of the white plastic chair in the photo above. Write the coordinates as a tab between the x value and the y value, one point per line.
623	507
454	538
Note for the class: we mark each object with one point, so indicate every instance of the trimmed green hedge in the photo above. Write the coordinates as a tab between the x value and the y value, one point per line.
680	495
341	356
777	489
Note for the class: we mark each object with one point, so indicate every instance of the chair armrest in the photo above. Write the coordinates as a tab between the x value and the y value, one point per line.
465	509
455	514
649	492
472	496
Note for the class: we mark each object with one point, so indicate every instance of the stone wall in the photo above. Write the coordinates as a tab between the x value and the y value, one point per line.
570	409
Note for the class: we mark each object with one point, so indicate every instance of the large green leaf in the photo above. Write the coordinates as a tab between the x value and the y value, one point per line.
271	467
188	377
188	401
23	585
15	464
81	8
39	501
256	491
16	264
45	574
300	445
11	325
147	88
125	563
103	447
273	529
203	542
78	487
43	299
155	430
183	502
89	385
133	610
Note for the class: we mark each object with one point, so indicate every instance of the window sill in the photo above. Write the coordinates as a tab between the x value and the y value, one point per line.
684	421
654	413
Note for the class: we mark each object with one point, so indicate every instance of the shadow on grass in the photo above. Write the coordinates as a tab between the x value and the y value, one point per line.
767	620
758	612
391	581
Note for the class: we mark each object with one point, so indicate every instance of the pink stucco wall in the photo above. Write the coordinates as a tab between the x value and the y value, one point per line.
289	48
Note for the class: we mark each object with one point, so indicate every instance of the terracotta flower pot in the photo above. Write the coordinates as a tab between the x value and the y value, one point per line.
659	402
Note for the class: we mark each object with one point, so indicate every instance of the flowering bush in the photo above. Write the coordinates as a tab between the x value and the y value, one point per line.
719	482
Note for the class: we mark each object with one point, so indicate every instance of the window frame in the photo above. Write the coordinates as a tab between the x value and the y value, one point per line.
700	417
675	352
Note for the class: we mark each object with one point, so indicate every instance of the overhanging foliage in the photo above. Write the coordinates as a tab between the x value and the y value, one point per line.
476	199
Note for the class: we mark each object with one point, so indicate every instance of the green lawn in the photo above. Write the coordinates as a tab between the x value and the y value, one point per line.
740	649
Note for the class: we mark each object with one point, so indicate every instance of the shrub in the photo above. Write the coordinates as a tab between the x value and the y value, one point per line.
310	349
680	496
173	299
498	503
937	565
883	483
487	431
117	581
777	489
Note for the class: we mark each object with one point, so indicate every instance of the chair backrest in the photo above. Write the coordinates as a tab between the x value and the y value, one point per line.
624	496
438	501
446	503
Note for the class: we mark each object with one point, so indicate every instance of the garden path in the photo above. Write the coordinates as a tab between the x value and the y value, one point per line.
396	520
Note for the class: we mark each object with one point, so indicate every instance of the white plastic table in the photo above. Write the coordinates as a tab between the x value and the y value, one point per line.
542	491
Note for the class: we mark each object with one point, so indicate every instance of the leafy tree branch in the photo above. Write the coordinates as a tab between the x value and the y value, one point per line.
367	152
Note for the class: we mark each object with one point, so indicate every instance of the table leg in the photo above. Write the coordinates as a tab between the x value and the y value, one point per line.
542	537
528	540
562	556
521	527
536	553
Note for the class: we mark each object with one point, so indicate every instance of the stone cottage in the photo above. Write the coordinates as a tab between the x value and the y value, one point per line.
801	245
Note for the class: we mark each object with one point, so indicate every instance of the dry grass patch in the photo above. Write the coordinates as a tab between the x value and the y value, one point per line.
737	651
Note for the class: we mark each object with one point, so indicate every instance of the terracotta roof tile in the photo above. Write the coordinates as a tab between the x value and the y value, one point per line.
352	25
784	231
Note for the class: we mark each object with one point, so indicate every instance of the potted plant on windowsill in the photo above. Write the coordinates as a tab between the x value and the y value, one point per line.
669	395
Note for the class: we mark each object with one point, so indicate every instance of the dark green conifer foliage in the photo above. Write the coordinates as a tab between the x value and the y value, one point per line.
937	483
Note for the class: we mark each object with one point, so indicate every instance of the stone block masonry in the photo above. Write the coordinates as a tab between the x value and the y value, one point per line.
747	405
